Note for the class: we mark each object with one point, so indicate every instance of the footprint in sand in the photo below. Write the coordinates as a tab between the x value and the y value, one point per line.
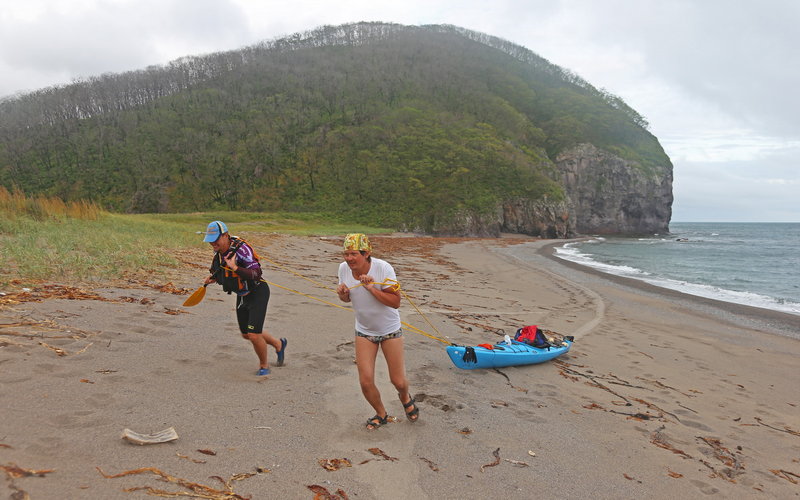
696	425
528	411
75	420
48	368
548	390
100	400
8	379
325	362
425	374
439	401
162	322
45	446
222	355
705	487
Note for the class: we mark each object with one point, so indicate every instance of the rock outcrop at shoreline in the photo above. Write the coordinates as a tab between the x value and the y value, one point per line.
609	195
605	194
544	219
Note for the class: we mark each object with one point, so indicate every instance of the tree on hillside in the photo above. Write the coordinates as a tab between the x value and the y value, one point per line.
404	125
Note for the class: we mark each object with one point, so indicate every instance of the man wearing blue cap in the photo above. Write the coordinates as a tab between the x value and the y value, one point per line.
236	268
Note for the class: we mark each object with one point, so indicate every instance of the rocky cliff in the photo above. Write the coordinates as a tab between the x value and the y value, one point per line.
609	195
605	194
540	218
536	218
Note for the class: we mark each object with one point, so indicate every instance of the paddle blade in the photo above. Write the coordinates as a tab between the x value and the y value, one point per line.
196	297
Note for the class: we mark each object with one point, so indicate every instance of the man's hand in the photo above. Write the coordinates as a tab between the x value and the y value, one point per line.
231	261
343	292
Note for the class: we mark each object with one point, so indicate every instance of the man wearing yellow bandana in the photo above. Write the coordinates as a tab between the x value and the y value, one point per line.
369	284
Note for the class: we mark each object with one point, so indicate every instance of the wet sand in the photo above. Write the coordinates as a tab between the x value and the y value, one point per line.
662	395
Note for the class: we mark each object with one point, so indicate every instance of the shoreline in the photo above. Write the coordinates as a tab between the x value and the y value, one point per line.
770	320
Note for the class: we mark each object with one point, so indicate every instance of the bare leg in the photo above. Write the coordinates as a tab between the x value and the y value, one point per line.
260	346
366	352
274	342
395	360
260	342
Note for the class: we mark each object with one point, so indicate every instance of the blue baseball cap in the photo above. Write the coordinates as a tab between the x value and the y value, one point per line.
214	231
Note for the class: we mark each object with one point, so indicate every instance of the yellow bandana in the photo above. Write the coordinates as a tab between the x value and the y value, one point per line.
357	241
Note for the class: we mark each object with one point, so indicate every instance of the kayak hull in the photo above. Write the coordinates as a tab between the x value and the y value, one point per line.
502	355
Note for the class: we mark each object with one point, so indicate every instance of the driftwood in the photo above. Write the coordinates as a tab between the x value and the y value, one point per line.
142	439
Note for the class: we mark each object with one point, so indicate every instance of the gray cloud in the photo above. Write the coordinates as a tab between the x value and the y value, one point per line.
60	45
739	55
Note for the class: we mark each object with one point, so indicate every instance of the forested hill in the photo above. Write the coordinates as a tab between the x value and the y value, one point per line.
405	126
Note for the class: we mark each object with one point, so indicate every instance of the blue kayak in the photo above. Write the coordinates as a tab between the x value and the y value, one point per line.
502	354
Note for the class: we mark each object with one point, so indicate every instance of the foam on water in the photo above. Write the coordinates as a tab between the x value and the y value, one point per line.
744	264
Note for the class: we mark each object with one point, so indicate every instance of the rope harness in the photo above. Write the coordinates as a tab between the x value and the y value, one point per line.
395	285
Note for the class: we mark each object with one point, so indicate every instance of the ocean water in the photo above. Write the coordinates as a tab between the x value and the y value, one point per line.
757	264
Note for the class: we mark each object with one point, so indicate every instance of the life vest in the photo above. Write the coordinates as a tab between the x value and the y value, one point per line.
230	281
532	335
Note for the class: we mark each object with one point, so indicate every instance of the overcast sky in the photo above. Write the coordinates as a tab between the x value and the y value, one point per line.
716	79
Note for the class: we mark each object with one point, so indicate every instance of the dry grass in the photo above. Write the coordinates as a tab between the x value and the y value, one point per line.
15	203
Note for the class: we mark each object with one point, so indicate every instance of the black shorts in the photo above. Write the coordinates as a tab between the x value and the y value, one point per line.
251	309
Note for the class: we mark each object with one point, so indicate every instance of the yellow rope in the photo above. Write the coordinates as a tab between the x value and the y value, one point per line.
309	296
389	282
321	285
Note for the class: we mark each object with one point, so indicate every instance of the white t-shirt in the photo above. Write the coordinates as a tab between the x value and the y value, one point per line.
372	317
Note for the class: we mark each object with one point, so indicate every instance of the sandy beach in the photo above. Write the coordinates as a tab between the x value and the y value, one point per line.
661	396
